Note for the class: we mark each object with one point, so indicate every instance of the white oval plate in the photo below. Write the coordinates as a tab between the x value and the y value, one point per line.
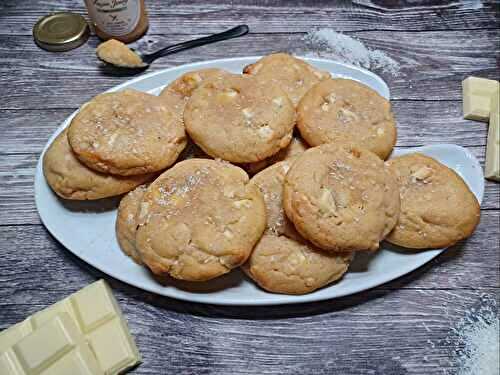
88	230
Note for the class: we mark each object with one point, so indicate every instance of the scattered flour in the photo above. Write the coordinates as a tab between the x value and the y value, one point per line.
477	350
337	46
471	4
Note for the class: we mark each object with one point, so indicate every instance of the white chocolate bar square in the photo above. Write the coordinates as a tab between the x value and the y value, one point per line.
492	163
476	94
55	347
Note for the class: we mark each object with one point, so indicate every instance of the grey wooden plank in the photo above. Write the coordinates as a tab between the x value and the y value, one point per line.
433	64
17	204
27	131
277	16
478	256
380	331
422	339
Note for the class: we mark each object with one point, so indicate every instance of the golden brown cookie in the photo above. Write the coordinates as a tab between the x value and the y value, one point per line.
296	147
177	93
343	110
437	207
70	179
239	119
126	133
199	220
282	261
127	222
337	197
294	76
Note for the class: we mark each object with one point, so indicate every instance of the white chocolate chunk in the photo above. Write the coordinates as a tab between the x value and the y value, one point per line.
265	132
196	77
477	94
278	101
492	164
230	93
345	115
326	202
422	174
331	98
247	203
247	113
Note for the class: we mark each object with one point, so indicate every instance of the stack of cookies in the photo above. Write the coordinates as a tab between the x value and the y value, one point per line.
320	191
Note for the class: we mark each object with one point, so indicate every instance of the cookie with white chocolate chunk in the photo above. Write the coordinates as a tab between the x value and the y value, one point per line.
437	207
126	133
71	179
199	220
343	110
239	118
294	76
282	261
340	198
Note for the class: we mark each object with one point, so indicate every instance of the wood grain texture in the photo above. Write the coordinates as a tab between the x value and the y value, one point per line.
402	327
264	16
390	332
433	64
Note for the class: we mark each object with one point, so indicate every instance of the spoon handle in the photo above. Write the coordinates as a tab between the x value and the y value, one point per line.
228	34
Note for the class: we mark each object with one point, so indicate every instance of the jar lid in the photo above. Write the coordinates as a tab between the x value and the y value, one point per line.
61	31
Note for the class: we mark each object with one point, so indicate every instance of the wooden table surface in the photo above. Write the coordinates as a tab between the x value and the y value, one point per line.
402	327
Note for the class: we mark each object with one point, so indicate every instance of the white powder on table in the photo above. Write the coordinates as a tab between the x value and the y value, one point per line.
330	44
477	350
471	4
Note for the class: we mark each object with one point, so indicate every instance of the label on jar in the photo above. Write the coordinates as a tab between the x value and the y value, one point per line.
115	17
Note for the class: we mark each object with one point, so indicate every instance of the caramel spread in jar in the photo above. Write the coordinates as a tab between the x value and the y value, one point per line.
124	20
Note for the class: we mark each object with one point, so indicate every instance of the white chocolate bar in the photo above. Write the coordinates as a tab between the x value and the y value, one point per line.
476	94
96	317
57	347
492	164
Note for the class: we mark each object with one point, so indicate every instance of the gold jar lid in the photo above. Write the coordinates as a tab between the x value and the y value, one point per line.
61	31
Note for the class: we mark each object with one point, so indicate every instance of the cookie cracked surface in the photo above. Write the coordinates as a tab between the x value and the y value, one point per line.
126	133
239	119
343	110
339	198
199	220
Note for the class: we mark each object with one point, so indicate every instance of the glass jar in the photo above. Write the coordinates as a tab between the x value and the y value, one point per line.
124	20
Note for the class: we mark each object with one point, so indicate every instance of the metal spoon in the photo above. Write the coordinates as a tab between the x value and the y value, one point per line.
149	58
